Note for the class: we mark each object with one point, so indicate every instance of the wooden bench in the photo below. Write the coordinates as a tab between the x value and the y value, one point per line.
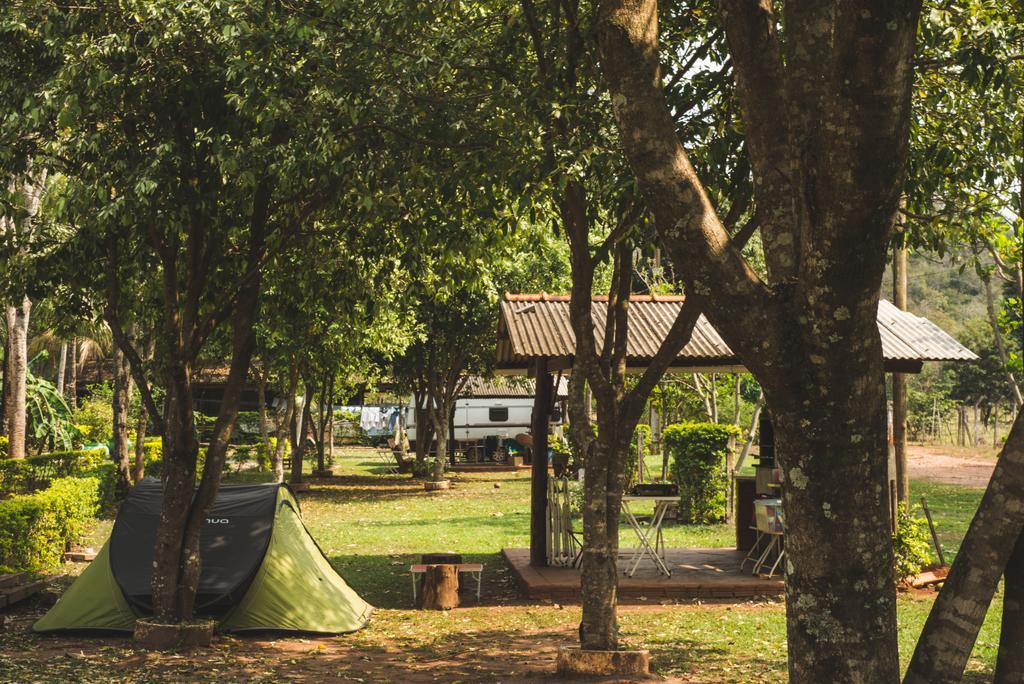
475	569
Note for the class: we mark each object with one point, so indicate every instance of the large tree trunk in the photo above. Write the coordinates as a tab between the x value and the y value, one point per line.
326	389
142	426
261	399
899	385
997	336
121	402
71	382
952	627
330	425
439	413
1010	659
139	471
243	343
62	366
839	571
299	440
17	370
284	424
180	452
828	161
5	390
603	481
424	427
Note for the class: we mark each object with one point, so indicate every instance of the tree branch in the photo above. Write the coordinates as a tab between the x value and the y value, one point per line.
690	229
750	29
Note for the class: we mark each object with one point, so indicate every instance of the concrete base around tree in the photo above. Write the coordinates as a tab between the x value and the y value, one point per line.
575	662
696	573
161	637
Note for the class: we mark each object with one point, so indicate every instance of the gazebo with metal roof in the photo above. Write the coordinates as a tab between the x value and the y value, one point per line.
536	326
535	337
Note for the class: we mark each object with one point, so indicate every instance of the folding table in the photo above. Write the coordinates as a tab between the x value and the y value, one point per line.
649	534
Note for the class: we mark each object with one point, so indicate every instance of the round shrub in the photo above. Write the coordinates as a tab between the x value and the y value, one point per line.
95	419
699	452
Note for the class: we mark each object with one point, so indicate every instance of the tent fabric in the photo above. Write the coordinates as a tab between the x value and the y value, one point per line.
94	601
232	543
261	570
297	588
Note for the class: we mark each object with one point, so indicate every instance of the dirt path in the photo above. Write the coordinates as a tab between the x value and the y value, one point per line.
940	464
378	654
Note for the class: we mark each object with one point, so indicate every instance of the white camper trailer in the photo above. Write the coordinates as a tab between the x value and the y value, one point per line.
500	409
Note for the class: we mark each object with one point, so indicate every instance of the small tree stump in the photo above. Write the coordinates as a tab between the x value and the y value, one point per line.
440	587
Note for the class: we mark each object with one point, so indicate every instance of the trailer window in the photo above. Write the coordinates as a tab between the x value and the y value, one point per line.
497	415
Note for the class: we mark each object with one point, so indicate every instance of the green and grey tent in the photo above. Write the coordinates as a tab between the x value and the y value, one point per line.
261	569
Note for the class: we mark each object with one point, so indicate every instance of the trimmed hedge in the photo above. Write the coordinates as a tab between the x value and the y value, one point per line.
35	529
698	451
35	472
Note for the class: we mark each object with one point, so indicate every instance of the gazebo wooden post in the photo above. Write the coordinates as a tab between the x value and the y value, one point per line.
539	464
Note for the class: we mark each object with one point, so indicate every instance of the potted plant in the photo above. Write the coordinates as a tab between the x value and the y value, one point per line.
558	448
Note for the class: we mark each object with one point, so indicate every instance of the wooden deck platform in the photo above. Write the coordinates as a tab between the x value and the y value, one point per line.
696	573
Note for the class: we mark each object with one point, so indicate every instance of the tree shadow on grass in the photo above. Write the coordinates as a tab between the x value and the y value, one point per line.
697	661
348	488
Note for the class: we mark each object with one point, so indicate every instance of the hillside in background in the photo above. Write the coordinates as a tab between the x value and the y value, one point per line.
937	290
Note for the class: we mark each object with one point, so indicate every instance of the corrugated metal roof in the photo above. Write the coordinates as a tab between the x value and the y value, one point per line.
507	387
906	336
539	325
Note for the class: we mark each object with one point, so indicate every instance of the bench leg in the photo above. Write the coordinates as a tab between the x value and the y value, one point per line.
413	589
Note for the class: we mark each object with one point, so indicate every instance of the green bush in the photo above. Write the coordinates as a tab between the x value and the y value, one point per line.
35	529
15	476
241	455
911	545
3	446
699	452
263	457
94	418
36	472
153	457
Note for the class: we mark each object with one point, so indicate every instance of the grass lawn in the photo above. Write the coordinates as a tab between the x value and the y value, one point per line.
952	507
373	526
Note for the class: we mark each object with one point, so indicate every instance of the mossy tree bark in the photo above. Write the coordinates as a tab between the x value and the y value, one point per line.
991	543
15	377
1010	658
602	368
826	116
